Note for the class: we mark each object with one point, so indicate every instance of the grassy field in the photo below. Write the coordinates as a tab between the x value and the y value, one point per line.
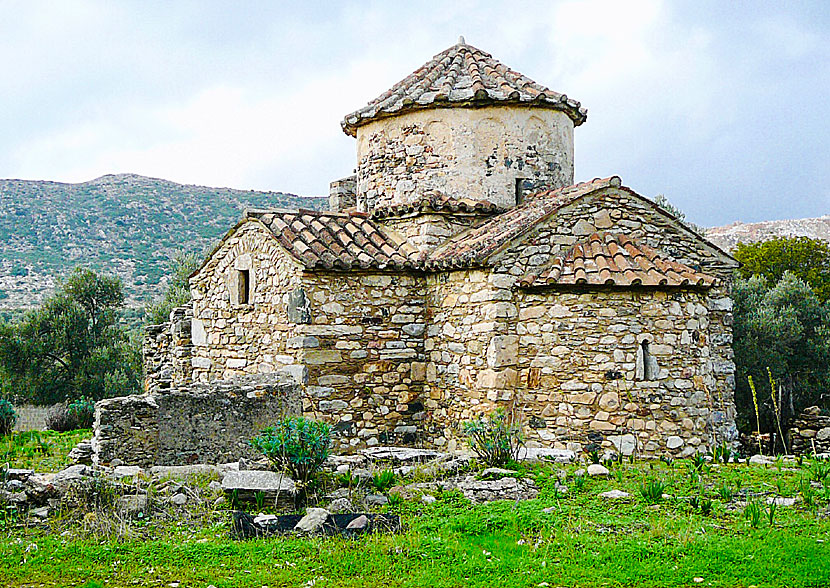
702	533
42	451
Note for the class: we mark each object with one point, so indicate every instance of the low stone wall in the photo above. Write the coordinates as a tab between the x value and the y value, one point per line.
810	432
31	418
202	423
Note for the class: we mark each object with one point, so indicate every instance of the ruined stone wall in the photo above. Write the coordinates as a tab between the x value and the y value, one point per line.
203	423
230	338
464	153
364	351
810	432
167	351
566	362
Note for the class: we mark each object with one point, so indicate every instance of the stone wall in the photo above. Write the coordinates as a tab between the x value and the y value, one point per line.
229	338
463	153
31	418
342	194
427	231
810	433
566	362
167	350
365	357
203	423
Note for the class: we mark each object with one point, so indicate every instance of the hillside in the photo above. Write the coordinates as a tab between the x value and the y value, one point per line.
728	236
124	224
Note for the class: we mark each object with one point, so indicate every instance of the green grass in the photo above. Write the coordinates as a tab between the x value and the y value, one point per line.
584	541
43	451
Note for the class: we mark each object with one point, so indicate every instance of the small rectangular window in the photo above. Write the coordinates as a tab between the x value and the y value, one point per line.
244	285
519	190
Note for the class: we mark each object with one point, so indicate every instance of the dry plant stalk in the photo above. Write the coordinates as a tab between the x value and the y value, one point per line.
777	410
757	413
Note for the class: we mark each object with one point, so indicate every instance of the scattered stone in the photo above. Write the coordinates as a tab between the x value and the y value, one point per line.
82	453
132	504
312	521
597	470
14	497
340	505
615	495
276	487
502	489
761	460
496	473
538	454
179	499
215	485
560	488
428	499
360	523
182	472
126	472
71	474
40	513
781	500
21	475
549	509
402	455
375	500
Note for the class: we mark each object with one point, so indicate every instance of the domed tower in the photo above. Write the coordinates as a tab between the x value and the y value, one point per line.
464	127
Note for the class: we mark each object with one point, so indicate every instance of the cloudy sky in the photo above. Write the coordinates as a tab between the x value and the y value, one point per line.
722	106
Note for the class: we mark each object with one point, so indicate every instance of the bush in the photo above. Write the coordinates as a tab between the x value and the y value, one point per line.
69	416
494	439
8	417
296	445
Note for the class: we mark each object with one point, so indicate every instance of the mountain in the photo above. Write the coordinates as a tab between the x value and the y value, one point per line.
728	236
122	224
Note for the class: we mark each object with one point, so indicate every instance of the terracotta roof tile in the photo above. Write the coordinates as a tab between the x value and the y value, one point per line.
615	260
462	76
437	202
327	240
472	247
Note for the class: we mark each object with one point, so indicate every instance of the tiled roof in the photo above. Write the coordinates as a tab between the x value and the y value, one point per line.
437	202
462	76
327	240
474	246
615	260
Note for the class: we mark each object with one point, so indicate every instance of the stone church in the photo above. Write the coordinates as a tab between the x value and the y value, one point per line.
461	269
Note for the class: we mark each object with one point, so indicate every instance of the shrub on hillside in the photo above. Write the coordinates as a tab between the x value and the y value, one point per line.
495	439
69	416
8	417
296	445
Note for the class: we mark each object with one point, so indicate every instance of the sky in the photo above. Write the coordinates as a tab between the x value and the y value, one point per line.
721	106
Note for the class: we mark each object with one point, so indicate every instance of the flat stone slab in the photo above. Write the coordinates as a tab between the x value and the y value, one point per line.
247	526
183	472
615	495
402	455
536	454
258	481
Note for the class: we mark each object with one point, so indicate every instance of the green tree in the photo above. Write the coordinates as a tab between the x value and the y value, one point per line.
785	328
808	259
71	346
178	288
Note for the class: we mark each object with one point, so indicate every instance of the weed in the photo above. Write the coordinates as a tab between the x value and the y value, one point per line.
726	492
579	482
395	500
771	509
594	456
495	439
298	445
808	493
706	506
8	417
753	513
259	498
383	480
819	470
722	453
652	490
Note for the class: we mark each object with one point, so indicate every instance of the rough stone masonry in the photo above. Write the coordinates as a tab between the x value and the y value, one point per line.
462	270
